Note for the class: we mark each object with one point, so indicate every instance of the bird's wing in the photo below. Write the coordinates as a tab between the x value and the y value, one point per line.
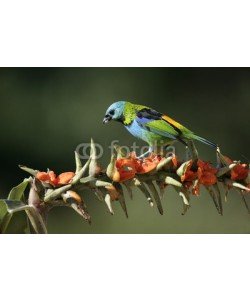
158	123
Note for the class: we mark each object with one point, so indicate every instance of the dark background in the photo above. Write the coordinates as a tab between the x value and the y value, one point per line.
46	112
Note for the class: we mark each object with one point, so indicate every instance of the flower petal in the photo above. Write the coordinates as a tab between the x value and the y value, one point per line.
239	172
43	176
64	178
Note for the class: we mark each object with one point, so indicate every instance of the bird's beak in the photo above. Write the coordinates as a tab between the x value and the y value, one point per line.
106	119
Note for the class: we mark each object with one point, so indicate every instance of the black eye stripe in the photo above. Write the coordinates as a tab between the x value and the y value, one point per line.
112	112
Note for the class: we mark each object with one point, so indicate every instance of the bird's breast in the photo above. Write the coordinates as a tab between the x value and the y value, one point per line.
138	131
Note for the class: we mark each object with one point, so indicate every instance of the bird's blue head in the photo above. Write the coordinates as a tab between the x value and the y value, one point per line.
115	112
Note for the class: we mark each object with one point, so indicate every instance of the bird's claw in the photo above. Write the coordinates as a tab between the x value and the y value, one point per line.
141	157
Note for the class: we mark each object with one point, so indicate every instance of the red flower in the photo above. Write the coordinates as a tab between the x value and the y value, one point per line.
51	178
127	168
239	172
206	173
202	173
147	164
189	174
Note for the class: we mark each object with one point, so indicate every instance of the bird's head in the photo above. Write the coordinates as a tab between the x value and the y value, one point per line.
114	112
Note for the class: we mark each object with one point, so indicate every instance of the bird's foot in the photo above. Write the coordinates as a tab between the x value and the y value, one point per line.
141	157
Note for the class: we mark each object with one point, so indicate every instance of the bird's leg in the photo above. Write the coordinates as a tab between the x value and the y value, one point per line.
150	150
193	150
188	153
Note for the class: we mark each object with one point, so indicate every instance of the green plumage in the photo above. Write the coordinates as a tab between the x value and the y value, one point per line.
149	125
130	111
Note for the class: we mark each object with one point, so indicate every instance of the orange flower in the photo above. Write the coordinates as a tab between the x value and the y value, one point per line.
51	178
147	164
65	177
150	163
125	169
240	172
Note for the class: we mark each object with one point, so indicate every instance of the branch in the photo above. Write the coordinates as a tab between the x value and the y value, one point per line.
151	175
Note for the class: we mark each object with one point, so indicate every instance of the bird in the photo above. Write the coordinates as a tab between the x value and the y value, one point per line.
151	126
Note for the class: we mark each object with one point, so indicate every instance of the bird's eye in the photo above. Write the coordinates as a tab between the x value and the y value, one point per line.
112	112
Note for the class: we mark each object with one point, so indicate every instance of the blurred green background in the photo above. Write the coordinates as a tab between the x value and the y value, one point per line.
46	112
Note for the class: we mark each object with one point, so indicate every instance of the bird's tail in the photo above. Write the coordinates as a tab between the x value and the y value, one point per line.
204	141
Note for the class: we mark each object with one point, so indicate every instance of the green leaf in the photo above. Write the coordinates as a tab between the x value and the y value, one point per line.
18	191
36	220
10	223
3	211
12	206
5	222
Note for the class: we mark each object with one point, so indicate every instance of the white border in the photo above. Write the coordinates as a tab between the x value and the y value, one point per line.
125	267
124	33
128	33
